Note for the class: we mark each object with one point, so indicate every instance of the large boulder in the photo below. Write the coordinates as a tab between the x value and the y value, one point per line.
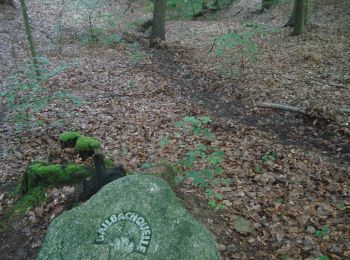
135	217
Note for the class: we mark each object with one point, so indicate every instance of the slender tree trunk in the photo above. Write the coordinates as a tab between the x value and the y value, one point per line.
30	38
158	23
291	21
300	17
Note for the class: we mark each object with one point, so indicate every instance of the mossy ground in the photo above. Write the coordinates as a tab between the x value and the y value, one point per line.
30	200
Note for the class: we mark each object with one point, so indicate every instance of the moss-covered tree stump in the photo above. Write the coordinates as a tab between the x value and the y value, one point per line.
86	146
42	174
69	139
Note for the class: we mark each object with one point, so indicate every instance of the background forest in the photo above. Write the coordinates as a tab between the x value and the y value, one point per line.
242	106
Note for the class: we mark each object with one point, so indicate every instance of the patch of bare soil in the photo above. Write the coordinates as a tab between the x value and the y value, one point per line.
295	205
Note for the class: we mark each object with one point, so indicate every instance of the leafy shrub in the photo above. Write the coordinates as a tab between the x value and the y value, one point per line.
201	164
236	51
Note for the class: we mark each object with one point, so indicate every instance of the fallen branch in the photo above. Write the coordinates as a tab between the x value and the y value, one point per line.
291	108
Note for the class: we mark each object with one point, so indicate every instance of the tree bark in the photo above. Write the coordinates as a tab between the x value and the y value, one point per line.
158	23
30	38
300	9
291	21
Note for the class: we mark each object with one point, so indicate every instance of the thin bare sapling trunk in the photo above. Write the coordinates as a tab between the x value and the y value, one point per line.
30	38
299	26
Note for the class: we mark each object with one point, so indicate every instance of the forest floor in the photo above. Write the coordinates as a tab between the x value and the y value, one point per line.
295	204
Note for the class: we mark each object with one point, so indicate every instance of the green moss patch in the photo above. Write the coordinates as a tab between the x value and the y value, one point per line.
32	199
69	136
85	143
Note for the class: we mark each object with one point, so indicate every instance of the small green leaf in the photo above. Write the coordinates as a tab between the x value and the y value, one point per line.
219	170
322	232
257	169
212	203
205	119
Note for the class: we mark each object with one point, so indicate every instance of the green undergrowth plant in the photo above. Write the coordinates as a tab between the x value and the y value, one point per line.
237	51
202	161
323	233
26	96
100	21
266	159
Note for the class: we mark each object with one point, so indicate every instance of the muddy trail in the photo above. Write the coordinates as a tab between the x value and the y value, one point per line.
289	129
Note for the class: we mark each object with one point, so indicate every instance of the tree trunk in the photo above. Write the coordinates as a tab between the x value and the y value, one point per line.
158	23
291	21
30	38
299	17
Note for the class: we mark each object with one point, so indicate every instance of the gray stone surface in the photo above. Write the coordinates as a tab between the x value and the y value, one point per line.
135	217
